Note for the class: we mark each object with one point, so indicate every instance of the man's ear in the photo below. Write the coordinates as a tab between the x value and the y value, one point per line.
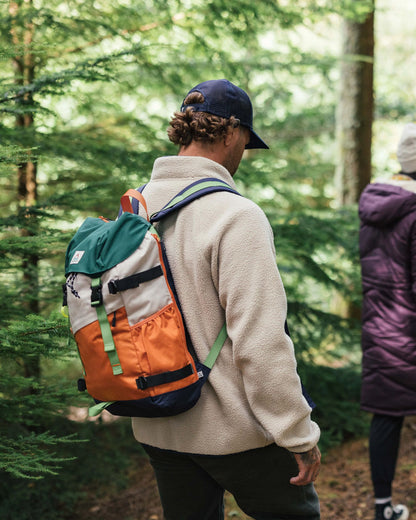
228	138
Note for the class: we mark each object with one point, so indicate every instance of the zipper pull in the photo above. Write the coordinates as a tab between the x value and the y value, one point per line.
113	323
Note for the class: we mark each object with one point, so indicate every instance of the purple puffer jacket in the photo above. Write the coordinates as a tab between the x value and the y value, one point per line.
388	267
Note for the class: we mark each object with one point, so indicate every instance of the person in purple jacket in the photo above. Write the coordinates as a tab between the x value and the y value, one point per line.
387	212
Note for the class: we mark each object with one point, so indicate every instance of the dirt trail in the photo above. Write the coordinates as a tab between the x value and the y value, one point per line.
344	487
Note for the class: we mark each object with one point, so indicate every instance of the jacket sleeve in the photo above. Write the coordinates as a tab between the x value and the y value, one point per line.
254	300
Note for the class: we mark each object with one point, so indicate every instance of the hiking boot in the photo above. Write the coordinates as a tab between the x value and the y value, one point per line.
389	512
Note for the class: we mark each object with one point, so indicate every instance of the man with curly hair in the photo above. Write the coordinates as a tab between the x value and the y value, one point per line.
251	432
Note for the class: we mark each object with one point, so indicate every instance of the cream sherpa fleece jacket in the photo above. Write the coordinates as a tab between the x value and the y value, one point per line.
221	253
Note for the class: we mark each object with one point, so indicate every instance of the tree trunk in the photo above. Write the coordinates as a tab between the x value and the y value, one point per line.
24	74
354	121
355	110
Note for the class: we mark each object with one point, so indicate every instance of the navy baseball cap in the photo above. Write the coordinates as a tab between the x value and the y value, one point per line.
224	99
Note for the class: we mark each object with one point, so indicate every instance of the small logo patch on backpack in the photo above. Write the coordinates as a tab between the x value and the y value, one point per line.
77	257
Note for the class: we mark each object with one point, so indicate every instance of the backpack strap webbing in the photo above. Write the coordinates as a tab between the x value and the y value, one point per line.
216	348
192	192
126	204
144	382
134	280
109	346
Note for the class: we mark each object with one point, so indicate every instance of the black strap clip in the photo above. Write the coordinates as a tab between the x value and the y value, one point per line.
96	295
112	287
142	383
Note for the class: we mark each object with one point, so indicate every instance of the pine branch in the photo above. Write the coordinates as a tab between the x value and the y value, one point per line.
14	339
88	70
29	457
125	32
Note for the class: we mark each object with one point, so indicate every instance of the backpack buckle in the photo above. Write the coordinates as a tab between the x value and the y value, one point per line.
141	383
96	295
112	287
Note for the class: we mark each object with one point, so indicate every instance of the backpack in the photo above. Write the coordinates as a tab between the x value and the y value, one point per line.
137	357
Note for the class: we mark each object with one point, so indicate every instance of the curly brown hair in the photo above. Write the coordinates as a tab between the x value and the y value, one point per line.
189	125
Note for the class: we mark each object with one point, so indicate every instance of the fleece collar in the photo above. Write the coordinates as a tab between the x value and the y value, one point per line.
189	168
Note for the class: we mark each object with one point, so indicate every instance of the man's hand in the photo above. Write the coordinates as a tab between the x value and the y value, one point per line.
309	464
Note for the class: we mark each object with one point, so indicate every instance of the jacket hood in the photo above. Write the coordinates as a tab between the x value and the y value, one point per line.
382	204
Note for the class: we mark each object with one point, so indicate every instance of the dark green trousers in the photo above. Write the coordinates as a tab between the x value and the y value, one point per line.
191	487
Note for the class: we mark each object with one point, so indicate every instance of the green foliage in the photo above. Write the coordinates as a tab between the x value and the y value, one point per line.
90	467
337	393
27	457
29	402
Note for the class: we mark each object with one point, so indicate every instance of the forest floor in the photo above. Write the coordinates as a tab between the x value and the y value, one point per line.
344	487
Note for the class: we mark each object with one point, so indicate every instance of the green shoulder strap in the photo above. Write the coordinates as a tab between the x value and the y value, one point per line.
195	188
216	347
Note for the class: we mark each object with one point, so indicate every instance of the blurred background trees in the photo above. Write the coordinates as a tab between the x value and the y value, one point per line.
86	92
